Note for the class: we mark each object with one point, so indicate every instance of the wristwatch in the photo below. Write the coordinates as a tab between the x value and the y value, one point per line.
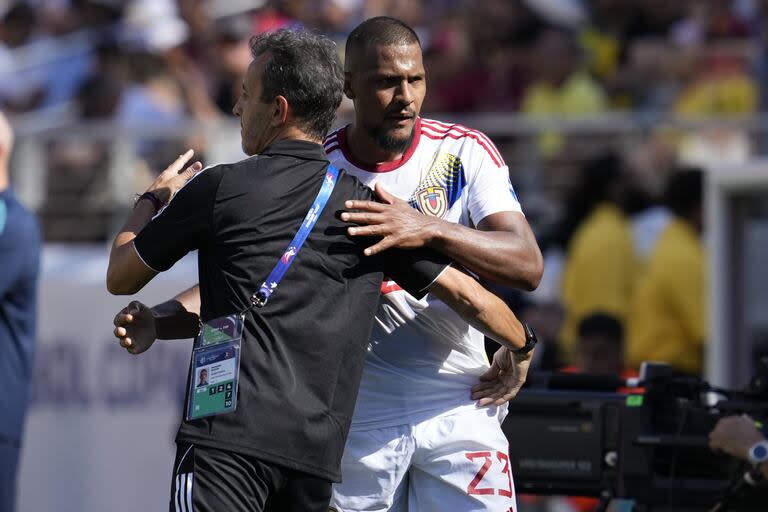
530	341
758	453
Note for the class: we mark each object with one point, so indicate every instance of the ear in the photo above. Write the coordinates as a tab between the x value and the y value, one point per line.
348	85
280	111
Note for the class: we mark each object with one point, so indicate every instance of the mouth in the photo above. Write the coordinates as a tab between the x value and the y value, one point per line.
401	119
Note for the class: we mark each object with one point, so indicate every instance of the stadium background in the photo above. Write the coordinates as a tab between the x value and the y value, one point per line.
103	93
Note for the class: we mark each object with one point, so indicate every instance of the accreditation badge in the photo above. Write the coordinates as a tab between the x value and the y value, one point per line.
215	368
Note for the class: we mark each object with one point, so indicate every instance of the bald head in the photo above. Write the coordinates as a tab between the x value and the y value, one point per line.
6	138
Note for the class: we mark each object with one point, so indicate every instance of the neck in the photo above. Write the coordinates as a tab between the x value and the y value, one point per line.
365	148
293	133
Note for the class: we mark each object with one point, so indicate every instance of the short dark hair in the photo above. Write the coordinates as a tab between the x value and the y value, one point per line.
304	68
602	324
381	30
684	191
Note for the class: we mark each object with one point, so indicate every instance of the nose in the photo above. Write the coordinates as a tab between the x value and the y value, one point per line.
236	108
404	93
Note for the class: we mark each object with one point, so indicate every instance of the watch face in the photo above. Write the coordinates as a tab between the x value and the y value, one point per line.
759	453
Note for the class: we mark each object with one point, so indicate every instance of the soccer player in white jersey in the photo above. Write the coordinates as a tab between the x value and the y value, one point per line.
419	441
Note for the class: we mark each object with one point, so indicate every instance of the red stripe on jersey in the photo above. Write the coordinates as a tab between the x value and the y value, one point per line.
499	163
461	129
444	127
331	137
331	149
389	287
438	125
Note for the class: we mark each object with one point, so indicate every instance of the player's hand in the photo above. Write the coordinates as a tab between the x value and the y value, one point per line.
393	220
135	328
503	379
174	177
735	435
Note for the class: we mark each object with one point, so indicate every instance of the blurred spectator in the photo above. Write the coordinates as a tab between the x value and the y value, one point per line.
600	345
476	59
600	262
668	319
78	186
231	56
709	20
561	86
20	257
720	85
20	89
277	14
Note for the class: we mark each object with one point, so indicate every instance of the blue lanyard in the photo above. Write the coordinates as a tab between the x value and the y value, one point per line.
260	298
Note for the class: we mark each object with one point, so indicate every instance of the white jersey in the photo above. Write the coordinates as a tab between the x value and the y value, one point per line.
422	357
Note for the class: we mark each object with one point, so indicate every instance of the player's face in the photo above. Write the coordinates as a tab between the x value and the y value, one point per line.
255	115
387	85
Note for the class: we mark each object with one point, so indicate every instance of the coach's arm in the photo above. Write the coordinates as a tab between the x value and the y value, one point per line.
127	273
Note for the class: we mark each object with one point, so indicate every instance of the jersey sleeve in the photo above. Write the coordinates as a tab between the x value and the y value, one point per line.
490	189
182	226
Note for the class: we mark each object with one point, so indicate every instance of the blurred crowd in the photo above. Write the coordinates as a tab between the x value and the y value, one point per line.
600	205
134	59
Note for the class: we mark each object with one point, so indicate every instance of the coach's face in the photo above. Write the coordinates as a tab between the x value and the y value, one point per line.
259	120
387	85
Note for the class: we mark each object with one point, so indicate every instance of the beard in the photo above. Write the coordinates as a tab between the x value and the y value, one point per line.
388	142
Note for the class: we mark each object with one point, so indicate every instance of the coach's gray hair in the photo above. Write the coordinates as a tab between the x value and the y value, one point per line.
305	69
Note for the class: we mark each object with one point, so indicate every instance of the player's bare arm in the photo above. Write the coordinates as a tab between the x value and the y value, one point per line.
478	307
126	273
502	250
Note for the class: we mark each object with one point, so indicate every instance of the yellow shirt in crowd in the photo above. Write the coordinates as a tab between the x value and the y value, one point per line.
580	95
668	316
599	270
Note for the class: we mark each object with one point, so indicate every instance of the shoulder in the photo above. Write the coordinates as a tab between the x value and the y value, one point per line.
14	214
478	143
353	188
18	226
333	141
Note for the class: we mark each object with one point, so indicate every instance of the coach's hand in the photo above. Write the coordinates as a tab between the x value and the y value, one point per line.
174	177
392	219
503	379
135	327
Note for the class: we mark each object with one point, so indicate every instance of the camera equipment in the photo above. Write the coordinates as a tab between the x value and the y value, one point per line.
576	434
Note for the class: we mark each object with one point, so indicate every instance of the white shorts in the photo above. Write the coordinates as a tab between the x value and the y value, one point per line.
455	461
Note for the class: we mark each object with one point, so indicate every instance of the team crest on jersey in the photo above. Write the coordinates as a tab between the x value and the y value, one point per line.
433	201
441	186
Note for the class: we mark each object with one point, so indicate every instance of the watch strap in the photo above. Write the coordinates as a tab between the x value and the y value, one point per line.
530	341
